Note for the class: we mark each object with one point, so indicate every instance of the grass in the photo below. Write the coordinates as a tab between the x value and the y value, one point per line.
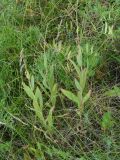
59	80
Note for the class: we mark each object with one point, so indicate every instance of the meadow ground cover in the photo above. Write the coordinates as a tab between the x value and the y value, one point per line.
59	79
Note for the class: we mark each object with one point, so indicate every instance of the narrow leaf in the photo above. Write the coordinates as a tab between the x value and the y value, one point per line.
45	62
28	91
79	57
86	97
32	82
77	84
83	78
76	68
71	96
49	119
38	95
38	112
54	94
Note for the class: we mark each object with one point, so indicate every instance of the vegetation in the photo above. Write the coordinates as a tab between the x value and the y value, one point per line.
59	79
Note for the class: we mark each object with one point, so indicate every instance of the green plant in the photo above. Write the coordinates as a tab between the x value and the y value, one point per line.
81	98
107	121
115	92
38	100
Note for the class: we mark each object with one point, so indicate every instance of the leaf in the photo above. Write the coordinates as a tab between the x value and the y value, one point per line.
70	95
49	119
80	96
79	57
86	97
54	94
106	27
45	82
83	78
32	82
27	74
45	62
76	68
28	91
38	112
113	92
38	96
106	122
77	84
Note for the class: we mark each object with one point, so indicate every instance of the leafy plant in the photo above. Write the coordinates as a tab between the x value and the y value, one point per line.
80	98
38	101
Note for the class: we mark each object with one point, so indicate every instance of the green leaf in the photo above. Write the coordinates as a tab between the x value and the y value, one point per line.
32	82
83	78
79	57
28	91
71	96
77	84
76	68
87	96
45	82
54	94
80	96
113	92
38	95
106	122
49	119
38	112
45	62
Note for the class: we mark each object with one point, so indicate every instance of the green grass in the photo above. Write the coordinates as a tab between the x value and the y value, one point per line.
59	80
